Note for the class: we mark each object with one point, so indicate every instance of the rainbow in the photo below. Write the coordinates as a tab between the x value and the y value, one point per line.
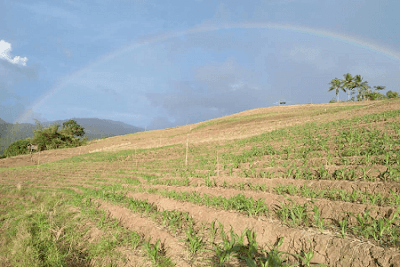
207	28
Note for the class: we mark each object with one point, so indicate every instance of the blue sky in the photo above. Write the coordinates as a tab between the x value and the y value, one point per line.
158	64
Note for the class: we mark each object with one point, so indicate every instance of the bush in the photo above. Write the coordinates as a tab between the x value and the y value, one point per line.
17	148
391	94
71	128
375	96
53	138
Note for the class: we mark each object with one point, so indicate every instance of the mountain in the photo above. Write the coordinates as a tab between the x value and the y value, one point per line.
94	128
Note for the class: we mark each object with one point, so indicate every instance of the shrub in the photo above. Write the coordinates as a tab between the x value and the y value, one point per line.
375	96
17	148
53	138
391	94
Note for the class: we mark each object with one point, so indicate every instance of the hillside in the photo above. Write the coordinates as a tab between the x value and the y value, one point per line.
301	184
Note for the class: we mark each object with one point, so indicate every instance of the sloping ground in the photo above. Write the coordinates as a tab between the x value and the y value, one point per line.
299	185
244	124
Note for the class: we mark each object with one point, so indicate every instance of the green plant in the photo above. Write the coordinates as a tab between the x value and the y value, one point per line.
319	221
193	241
336	84
224	250
210	183
307	256
213	230
19	147
343	227
391	94
153	250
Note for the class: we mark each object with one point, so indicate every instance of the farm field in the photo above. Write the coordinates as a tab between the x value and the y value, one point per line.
301	185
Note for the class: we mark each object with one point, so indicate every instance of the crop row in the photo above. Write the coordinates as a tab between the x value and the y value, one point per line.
384	231
181	223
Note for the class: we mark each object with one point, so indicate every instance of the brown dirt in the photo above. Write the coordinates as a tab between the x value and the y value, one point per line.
330	210
384	188
174	248
328	248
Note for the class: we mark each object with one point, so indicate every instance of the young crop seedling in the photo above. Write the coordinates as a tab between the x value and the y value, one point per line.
156	254
193	242
319	221
213	230
343	227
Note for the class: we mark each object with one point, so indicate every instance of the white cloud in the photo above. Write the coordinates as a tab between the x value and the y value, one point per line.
5	53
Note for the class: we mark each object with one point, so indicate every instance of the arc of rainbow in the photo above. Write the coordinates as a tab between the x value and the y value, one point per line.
207	28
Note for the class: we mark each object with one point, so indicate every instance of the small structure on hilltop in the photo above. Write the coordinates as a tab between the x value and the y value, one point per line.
32	147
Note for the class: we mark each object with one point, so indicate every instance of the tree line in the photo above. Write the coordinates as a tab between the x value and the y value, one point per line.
356	85
70	135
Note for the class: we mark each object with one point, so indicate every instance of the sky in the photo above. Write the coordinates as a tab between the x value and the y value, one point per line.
166	63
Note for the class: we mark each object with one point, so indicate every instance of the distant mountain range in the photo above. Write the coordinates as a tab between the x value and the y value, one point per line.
94	129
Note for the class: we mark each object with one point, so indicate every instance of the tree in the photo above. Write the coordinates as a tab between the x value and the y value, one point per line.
72	128
336	84
348	84
391	94
48	138
52	137
363	88
19	147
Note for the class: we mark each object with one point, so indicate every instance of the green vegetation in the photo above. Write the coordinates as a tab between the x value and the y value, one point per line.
17	148
50	138
349	84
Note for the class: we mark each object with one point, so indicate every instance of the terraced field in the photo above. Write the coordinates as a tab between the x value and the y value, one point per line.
310	185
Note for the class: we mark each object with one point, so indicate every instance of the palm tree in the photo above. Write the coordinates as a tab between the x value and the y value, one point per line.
348	84
363	87
336	84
